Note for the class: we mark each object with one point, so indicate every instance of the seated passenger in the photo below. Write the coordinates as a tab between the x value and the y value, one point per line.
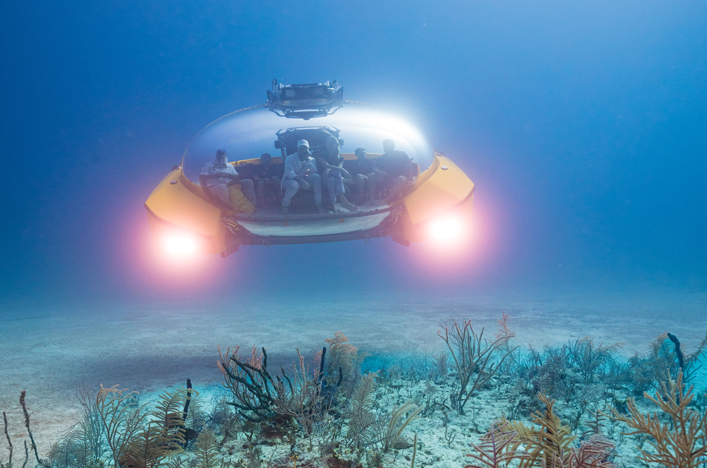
301	173
366	176
332	166
398	168
217	175
266	178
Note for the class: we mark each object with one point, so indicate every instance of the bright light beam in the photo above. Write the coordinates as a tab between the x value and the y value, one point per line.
180	246
447	231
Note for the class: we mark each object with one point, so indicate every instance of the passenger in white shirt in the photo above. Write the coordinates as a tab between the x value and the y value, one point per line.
217	175
301	173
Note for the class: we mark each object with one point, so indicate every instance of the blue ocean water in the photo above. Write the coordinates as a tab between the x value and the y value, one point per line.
582	124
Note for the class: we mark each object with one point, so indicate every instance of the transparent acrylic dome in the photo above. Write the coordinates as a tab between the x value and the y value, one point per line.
248	133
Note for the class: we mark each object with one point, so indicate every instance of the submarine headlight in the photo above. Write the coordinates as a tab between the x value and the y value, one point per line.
180	245
448	229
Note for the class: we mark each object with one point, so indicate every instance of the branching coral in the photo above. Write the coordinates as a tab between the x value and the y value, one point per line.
250	383
366	427
666	357
163	434
9	443
550	441
91	432
33	446
494	450
121	417
678	442
207	451
300	396
23	395
590	358
548	444
477	360
361	419
342	365
259	397
400	418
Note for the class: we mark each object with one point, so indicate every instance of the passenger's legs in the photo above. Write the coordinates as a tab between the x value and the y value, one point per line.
315	181
397	186
220	191
359	184
374	181
248	190
346	204
261	192
331	183
291	188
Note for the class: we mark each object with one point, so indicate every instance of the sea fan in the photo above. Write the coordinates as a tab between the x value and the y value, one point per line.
679	442
399	420
548	443
207	451
163	434
361	419
495	450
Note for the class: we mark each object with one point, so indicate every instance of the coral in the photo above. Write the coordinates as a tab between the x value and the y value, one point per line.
250	383
65	453
84	444
122	419
260	397
477	360
399	420
549	445
33	446
344	362
589	358
688	364
163	434
23	395
663	361
417	366
361	419
9	443
342	355
681	440
441	366
549	442
206	450
224	419
580	373
494	451
144	449
366	427
91	431
300	396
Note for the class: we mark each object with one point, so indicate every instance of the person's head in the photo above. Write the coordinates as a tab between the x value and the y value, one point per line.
265	159
361	153
221	158
332	145
388	145
303	149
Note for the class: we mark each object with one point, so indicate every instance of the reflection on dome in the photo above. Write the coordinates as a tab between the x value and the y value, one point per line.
248	133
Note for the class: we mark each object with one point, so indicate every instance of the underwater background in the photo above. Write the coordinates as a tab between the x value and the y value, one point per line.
582	124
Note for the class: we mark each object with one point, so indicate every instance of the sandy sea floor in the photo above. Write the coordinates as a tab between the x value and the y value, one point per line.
151	347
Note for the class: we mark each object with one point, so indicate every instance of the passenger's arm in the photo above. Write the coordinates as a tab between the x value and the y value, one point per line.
289	170
340	167
302	183
325	165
